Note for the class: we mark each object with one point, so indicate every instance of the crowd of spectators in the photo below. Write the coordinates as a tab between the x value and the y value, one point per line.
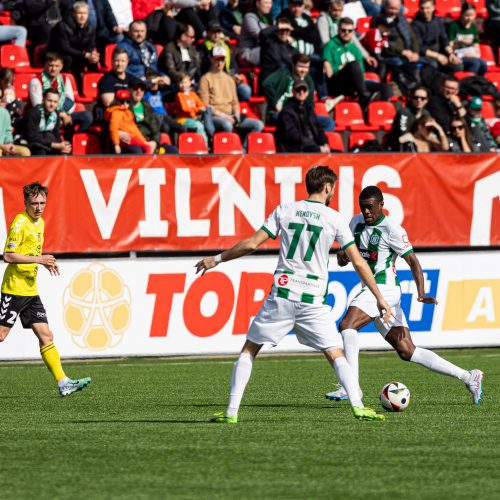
187	65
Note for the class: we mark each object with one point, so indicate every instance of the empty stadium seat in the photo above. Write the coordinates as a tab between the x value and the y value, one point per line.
363	24
488	110
357	139
348	115
381	115
411	7
335	141
250	110
16	58
90	81
261	142
191	143
22	84
107	64
86	144
494	78
463	74
372	77
481	10
448	8
227	143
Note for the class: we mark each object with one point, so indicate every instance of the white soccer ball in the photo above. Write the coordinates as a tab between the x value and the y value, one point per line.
395	396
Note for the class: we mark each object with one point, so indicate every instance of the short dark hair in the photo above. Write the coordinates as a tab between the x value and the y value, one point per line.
53	56
51	91
34	189
317	177
450	78
346	20
301	58
421	87
119	51
371	192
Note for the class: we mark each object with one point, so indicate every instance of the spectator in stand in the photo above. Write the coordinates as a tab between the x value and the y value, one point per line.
278	7
276	50
460	137
161	25
433	42
218	90
124	134
181	56
447	105
106	26
7	146
277	88
198	16
9	101
41	17
111	82
402	53
215	36
405	117
298	129
344	67
328	28
425	136
13	34
464	37
231	18
191	111
74	39
42	127
479	129
51	78
143	56
142	8
253	23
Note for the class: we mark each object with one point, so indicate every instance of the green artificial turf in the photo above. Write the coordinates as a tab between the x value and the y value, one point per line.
141	431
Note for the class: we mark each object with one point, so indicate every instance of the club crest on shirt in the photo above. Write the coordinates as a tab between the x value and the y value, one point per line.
374	239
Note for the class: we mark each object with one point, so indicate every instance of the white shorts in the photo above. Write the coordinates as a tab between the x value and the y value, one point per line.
366	301
314	324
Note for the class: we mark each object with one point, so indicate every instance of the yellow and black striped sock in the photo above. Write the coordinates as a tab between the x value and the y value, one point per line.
52	361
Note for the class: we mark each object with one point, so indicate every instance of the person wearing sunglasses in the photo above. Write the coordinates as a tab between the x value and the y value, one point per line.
460	137
405	117
344	68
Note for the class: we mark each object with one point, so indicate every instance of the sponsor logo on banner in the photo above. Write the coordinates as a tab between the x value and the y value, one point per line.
97	308
344	286
472	304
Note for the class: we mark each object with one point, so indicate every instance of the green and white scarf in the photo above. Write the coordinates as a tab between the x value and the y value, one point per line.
47	123
56	84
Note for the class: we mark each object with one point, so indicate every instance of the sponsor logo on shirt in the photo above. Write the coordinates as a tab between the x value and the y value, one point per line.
282	280
368	255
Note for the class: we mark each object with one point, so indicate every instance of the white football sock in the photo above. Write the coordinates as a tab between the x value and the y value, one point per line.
348	380
437	364
351	349
242	370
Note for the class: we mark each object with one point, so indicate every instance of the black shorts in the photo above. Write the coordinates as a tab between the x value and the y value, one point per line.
30	309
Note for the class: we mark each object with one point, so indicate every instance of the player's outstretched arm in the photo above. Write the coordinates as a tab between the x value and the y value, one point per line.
416	271
242	248
48	261
366	275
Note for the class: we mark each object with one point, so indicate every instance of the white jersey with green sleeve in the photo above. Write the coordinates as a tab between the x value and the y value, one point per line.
307	230
380	244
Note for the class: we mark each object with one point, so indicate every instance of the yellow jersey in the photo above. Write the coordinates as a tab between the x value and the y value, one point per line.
26	238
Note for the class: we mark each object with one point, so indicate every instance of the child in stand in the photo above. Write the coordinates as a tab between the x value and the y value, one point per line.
191	111
123	131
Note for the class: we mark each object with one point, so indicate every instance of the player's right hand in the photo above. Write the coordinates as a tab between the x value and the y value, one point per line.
205	264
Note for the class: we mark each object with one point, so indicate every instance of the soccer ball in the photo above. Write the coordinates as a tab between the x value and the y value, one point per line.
395	396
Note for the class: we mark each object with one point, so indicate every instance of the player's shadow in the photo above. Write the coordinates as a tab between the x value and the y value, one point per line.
133	421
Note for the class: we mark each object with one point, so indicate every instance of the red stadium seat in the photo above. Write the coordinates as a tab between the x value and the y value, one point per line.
261	142
108	57
494	78
39	55
250	110
363	24
488	110
165	139
16	58
90	81
448	8
463	74
320	109
348	115
481	10
22	84
86	144
373	77
488	56
191	143
381	114
411	7
335	141
357	139
227	143
72	80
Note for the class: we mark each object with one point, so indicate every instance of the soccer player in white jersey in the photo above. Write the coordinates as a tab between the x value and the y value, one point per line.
307	230
380	241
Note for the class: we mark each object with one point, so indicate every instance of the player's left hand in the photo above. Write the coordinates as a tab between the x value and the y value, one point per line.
385	310
427	299
53	269
205	264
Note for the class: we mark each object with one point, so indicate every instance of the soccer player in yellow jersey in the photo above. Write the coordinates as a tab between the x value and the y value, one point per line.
23	253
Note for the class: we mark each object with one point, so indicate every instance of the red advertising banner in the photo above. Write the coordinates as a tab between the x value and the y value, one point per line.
99	204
